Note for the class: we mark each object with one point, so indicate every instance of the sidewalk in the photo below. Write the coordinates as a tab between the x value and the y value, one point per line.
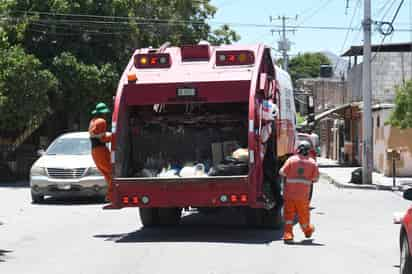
340	176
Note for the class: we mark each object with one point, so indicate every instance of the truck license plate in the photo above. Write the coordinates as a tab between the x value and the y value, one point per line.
186	92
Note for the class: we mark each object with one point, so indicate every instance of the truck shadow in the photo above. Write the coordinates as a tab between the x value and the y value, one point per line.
198	233
196	227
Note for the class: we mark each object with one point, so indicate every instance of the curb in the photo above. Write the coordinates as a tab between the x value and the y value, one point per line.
364	187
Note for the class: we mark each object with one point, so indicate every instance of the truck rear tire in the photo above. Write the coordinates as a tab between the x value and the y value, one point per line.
169	216
262	218
149	216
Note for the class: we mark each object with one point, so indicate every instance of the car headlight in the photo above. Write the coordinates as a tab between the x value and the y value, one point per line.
93	171
38	171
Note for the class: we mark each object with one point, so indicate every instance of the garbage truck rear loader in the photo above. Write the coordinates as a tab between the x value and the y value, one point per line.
191	130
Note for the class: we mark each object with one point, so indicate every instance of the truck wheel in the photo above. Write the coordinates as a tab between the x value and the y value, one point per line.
272	218
169	216
149	216
37	198
405	258
262	218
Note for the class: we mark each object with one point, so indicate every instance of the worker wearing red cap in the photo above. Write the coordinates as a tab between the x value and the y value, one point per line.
99	137
300	171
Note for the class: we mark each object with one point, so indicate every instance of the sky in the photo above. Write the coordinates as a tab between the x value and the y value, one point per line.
312	13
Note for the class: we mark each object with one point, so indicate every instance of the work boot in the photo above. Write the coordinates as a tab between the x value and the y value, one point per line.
287	237
309	231
288	233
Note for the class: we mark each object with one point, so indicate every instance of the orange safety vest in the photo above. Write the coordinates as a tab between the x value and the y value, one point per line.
300	172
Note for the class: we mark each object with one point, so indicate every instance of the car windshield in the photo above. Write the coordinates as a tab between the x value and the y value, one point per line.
70	146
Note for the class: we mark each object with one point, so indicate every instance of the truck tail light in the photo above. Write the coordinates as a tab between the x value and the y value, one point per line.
135	200
243	198
152	60
233	198
125	200
234	58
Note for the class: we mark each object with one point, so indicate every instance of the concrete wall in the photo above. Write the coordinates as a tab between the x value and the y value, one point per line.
389	69
327	93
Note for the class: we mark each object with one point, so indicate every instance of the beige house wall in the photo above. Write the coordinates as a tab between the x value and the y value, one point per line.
387	137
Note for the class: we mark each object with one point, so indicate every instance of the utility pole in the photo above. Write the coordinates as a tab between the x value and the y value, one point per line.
367	159
284	43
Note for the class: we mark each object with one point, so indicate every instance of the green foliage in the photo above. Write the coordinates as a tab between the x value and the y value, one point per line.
24	89
83	85
224	35
401	116
307	65
127	25
87	53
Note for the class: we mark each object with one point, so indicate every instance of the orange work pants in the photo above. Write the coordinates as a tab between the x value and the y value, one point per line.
299	207
101	157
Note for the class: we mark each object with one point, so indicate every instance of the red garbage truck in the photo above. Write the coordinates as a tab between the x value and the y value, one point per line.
189	131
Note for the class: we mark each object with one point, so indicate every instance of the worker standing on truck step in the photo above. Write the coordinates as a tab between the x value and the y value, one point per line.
99	137
300	171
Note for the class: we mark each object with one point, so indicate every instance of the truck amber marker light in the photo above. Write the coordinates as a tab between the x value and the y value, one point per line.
234	58
152	60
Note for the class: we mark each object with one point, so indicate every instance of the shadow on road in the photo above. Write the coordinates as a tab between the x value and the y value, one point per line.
3	253
309	242
196	233
227	227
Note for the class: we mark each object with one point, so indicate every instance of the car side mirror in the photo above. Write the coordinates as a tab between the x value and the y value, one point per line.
407	194
41	152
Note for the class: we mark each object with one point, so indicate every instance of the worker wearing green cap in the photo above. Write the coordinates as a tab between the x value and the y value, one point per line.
99	137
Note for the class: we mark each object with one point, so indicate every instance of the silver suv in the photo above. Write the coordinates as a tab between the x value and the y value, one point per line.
67	169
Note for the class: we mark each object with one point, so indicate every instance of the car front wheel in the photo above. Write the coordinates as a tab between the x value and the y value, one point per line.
37	198
405	260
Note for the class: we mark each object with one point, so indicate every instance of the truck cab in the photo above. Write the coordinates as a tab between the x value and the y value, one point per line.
189	131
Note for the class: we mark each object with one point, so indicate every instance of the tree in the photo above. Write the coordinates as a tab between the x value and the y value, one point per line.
401	116
24	89
82	85
223	35
99	32
307	65
87	44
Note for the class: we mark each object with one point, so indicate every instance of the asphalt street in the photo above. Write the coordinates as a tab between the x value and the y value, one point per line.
354	234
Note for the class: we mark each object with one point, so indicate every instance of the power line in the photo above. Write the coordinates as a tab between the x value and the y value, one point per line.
151	21
358	4
321	7
391	24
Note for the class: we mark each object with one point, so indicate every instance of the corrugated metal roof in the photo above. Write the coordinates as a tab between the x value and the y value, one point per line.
393	47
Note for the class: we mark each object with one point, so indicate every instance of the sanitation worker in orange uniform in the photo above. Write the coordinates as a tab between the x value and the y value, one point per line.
300	171
99	137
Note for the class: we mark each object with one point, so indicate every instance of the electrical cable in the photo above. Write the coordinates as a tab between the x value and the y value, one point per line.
389	33
322	6
358	4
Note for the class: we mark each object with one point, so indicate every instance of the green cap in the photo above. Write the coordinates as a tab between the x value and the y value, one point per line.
101	108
